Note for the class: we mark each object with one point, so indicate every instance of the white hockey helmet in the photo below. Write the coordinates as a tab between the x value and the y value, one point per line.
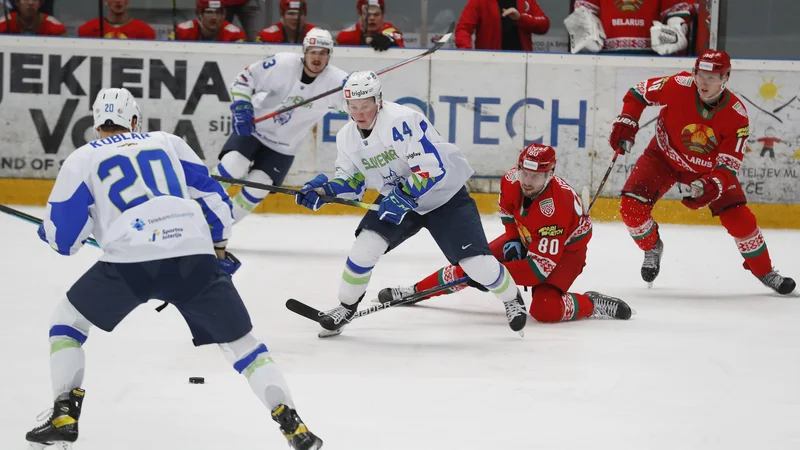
317	37
117	105
363	85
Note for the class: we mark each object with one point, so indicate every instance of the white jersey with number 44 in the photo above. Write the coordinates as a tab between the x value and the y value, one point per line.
274	83
403	147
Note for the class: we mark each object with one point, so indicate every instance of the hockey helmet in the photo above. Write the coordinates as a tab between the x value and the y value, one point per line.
203	5
362	3
317	37
715	61
118	107
363	85
537	158
287	5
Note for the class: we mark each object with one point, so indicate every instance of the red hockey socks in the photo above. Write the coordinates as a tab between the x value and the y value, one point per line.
442	276
549	305
639	220
741	224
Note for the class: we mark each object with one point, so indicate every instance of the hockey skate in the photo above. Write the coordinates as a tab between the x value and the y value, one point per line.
334	320
516	314
652	263
778	283
608	307
294	430
61	429
396	294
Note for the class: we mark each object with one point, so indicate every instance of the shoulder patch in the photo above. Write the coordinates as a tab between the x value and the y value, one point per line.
188	25
684	80
232	28
739	108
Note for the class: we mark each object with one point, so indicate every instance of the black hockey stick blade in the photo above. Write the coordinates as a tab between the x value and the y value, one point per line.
300	308
289	191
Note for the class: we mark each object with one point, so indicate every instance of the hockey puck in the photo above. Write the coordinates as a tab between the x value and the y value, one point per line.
197	380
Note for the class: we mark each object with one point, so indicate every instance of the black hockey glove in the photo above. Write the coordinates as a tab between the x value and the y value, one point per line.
382	42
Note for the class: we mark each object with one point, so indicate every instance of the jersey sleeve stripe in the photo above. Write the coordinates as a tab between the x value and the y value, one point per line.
70	221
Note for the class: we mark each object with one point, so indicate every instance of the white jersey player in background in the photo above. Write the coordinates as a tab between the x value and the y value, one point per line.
421	177
162	223
264	152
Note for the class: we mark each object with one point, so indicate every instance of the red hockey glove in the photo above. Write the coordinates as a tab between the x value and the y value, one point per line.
704	191
623	133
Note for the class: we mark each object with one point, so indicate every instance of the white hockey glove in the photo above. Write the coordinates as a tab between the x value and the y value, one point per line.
585	31
670	38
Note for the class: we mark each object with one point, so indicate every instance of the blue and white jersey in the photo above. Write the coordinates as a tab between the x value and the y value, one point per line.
403	147
274	83
144	196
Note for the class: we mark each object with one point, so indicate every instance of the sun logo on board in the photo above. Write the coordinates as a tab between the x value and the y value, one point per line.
769	91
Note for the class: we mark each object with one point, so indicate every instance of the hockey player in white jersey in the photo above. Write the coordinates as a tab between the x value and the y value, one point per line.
421	179
162	223
264	152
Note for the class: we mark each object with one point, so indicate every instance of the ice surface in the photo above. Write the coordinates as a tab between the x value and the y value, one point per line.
711	360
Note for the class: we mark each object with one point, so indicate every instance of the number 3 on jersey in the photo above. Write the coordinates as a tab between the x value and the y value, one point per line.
148	187
396	136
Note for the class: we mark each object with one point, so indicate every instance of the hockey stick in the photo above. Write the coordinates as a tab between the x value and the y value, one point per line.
283	190
5	13
626	147
439	44
35	220
102	18
311	313
174	20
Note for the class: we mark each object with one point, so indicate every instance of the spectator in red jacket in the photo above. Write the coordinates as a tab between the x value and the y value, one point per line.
293	18
117	24
249	13
28	20
379	34
210	25
501	24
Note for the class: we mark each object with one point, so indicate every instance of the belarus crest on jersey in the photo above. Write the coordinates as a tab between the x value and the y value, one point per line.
547	207
628	5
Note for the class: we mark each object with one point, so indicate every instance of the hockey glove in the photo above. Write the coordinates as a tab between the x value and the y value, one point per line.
704	191
309	198
623	133
382	42
230	264
669	38
242	119
395	206
512	250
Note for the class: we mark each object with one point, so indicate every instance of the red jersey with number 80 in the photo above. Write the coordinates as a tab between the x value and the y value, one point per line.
549	225
694	137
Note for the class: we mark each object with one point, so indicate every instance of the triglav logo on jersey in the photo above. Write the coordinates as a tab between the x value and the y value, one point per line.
699	138
628	5
547	207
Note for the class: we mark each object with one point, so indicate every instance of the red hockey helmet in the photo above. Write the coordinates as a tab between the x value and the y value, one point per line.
537	158
363	3
286	5
203	5
715	61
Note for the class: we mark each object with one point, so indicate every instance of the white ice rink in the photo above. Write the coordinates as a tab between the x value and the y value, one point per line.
710	361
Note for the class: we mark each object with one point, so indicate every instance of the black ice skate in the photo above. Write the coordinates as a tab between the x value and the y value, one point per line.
652	263
61	429
398	293
332	321
780	284
608	307
516	314
294	430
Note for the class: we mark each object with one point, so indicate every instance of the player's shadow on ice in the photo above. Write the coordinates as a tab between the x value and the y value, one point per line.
292	254
679	294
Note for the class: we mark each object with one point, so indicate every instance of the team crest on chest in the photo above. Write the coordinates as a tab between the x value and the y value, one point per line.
699	138
628	5
547	207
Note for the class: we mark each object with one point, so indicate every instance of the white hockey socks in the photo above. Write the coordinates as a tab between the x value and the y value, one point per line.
486	270
365	254
68	331
232	165
252	359
248	198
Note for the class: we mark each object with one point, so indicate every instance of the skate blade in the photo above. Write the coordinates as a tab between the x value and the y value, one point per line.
521	333
323	333
649	285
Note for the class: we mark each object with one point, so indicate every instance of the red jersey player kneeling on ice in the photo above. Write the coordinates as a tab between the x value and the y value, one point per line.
701	137
544	245
210	25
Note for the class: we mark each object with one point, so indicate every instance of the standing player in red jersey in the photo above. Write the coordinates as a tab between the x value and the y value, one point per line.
210	25
371	29
30	21
701	137
543	247
117	24
293	18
